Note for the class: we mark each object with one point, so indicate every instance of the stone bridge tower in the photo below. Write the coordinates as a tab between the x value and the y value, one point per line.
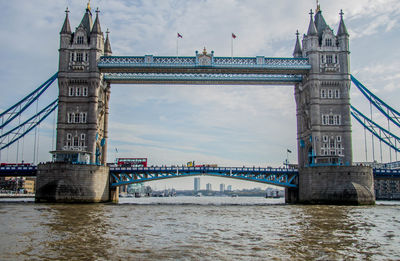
326	174
78	172
83	94
323	98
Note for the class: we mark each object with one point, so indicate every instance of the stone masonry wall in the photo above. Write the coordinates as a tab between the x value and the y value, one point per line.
353	185
65	182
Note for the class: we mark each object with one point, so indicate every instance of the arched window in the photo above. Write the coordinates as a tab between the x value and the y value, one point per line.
328	42
79	40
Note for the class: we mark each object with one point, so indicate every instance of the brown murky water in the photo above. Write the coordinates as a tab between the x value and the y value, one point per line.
193	231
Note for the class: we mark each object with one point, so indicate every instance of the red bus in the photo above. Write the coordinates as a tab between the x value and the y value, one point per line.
14	164
131	162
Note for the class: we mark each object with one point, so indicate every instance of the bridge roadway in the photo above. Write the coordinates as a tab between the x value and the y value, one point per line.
127	175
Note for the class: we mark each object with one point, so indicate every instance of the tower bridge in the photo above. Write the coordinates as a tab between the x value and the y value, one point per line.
319	71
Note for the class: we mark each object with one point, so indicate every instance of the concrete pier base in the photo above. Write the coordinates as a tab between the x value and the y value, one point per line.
71	183
348	185
114	194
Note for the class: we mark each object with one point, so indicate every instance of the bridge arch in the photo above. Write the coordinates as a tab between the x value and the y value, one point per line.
273	176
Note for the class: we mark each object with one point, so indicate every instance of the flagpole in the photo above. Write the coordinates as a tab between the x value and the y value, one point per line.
231	47
177	39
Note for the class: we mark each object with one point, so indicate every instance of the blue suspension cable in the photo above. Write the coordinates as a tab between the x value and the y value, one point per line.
371	128
46	111
40	90
378	103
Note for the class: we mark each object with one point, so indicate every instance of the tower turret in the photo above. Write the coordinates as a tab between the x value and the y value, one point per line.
65	42
297	48
87	21
107	45
342	34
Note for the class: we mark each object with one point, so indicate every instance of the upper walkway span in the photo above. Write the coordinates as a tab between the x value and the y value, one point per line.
203	69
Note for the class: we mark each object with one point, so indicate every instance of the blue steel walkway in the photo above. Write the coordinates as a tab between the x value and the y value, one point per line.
129	175
273	176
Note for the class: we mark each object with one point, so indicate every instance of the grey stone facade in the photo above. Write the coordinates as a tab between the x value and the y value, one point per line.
66	182
323	98
83	95
353	185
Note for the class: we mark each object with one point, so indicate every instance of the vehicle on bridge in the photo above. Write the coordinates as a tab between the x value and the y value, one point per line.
22	164
131	162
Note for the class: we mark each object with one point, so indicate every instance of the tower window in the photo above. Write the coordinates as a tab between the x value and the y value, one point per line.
79	57
71	91
323	94
330	94
83	117
85	91
79	40
328	42
70	117
324	121
329	59
338	138
69	136
76	118
330	119
325	138
337	94
78	91
76	142
72	57
83	136
337	120
86	57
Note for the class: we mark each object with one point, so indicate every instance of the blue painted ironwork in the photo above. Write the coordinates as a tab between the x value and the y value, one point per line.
389	112
372	127
383	173
18	171
192	62
125	176
202	77
27	125
275	176
25	102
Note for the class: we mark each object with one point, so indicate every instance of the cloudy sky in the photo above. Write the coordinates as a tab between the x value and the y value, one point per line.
225	125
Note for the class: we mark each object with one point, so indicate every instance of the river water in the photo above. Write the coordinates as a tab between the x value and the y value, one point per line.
205	228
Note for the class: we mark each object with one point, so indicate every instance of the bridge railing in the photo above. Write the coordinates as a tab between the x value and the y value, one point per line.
192	61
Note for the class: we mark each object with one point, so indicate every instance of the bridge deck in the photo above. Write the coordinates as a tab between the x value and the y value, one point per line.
188	70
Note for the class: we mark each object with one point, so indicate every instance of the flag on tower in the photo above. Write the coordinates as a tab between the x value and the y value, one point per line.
234	36
179	35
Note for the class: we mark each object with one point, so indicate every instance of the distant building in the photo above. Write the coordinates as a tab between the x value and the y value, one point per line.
196	184
229	188
208	187
388	188
29	185
222	187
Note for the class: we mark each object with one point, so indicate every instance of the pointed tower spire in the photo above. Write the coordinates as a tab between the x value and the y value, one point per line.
66	29
312	30
96	26
107	45
342	27
87	20
297	49
320	23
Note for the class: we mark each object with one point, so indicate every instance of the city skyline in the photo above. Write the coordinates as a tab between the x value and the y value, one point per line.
224	125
